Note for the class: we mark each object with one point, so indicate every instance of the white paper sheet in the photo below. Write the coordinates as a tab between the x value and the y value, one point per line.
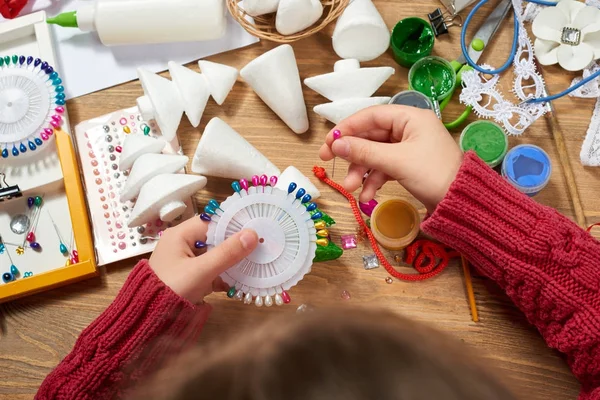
86	65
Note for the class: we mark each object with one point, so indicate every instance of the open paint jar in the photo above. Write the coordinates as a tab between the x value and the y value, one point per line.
528	168
412	98
487	140
395	224
412	39
432	76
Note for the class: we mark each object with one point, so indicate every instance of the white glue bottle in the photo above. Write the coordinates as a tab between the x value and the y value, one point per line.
123	22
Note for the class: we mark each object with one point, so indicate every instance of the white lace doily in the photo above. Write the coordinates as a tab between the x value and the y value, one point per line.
485	95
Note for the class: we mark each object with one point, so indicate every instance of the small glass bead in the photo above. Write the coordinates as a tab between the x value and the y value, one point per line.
389	280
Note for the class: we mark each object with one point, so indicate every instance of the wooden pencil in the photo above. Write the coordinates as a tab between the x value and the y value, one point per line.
470	292
563	157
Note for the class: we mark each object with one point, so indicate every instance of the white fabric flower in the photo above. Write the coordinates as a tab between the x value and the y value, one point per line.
567	34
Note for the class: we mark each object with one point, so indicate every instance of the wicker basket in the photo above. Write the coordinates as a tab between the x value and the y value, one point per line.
264	26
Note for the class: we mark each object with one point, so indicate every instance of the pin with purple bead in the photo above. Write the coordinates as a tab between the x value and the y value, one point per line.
336	135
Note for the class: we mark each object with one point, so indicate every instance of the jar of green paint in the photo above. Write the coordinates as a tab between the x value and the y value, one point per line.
412	39
487	140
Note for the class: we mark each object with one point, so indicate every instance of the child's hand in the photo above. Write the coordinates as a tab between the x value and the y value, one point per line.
400	143
176	260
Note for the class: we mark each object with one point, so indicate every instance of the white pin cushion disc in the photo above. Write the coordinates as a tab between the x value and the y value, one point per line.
287	239
31	103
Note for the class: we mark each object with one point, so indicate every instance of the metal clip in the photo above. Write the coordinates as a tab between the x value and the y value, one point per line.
441	21
8	192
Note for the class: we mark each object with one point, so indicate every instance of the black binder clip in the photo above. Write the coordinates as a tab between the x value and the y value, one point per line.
441	21
8	192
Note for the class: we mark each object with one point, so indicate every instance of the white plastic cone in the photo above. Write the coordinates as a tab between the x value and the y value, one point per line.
255	8
163	197
294	16
162	103
339	110
193	89
361	32
292	174
223	153
136	145
148	166
348	82
275	78
220	78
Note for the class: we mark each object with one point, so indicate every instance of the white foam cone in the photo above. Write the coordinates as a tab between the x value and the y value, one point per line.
162	103
255	8
193	89
349	83
223	153
361	32
292	174
220	78
338	111
275	78
135	146
148	166
294	16
163	196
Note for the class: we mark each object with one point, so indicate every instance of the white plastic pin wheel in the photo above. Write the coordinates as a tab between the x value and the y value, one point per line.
32	102
284	222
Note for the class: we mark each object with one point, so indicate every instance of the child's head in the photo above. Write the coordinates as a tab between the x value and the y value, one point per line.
340	354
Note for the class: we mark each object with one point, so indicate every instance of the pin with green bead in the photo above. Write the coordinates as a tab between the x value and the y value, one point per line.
62	247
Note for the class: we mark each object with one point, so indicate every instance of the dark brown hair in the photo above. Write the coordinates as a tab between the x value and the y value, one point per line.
334	354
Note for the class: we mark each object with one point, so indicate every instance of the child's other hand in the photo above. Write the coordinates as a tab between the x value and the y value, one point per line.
400	143
193	275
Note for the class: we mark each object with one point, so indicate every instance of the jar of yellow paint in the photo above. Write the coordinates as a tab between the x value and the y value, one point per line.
395	224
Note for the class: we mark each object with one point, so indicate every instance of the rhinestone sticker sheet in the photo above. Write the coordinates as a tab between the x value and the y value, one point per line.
99	144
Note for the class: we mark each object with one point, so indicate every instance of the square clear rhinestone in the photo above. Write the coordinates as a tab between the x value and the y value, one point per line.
571	36
370	262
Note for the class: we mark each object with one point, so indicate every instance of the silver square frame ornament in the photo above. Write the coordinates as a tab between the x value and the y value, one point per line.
570	36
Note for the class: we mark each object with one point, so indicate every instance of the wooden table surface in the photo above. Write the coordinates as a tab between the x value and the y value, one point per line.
38	331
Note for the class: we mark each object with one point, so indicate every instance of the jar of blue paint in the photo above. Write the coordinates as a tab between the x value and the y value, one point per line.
527	168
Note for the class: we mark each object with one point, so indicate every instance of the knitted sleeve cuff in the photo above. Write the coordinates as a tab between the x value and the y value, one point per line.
546	264
484	217
145	324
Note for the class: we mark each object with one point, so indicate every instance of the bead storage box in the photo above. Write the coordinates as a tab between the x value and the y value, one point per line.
100	144
44	230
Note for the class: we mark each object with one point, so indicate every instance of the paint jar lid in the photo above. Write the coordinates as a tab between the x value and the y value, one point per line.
487	140
412	98
395	224
411	40
528	168
432	76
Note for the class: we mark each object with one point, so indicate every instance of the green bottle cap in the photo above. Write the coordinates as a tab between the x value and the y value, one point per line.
66	19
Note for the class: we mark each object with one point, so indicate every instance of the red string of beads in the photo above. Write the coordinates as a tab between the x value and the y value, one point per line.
425	262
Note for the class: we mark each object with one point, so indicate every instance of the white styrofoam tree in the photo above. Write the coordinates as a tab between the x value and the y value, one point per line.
220	78
194	90
349	80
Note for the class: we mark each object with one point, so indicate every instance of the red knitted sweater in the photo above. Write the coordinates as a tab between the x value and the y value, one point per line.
545	263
